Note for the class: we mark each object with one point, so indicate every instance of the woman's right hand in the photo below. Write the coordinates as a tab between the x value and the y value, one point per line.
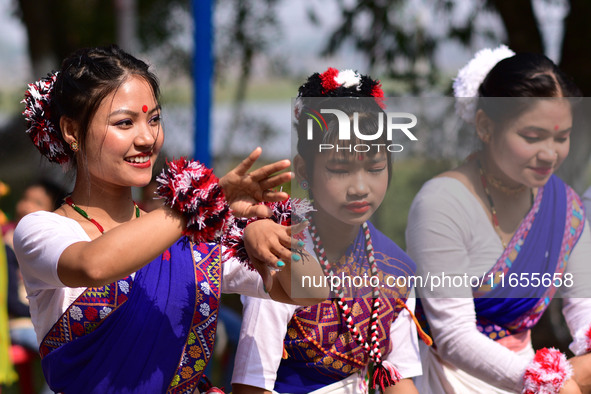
582	368
245	190
570	387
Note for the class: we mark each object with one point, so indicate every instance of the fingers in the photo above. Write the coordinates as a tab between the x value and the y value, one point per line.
273	195
269	169
296	245
245	165
275	180
264	273
259	211
297	228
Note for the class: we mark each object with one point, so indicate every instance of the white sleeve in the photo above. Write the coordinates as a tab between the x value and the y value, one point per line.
404	350
577	301
437	237
237	278
259	352
39	240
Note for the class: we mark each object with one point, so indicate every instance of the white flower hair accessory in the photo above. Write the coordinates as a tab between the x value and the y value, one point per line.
471	76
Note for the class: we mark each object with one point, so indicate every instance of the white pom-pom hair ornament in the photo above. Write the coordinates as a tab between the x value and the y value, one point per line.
471	76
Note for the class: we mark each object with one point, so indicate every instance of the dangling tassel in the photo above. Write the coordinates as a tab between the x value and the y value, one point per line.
384	375
422	334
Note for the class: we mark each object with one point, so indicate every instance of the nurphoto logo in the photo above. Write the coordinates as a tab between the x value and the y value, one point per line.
395	123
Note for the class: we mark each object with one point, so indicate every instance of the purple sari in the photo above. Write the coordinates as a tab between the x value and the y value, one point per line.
319	349
540	248
150	334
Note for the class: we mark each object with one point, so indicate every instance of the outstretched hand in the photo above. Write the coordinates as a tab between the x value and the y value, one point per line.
245	190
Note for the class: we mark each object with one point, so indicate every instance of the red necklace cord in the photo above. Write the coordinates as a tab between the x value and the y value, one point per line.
495	219
83	213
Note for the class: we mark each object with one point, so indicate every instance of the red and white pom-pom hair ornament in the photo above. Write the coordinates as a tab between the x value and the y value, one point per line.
40	128
471	76
547	372
335	83
192	189
581	341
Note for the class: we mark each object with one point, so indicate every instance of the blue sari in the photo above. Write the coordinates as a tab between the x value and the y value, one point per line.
153	333
540	248
318	348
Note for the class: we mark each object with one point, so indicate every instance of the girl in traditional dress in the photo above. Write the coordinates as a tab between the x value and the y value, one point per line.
125	301
503	216
330	347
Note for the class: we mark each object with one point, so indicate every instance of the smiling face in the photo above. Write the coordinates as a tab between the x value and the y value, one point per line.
124	137
349	188
529	149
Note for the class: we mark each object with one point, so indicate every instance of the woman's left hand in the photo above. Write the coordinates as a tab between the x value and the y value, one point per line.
269	245
245	190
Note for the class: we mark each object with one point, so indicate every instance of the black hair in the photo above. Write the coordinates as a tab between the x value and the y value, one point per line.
526	75
55	192
88	76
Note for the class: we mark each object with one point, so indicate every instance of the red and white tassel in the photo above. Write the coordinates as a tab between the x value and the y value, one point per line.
547	372
385	375
192	189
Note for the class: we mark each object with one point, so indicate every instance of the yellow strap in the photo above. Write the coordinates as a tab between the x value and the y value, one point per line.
7	373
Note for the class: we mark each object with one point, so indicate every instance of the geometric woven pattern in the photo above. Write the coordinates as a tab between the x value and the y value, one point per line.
200	341
318	336
86	313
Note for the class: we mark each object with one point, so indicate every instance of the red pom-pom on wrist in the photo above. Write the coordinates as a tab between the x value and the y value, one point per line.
547	372
192	189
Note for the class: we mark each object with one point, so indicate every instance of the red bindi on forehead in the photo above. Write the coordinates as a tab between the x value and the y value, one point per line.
555	127
145	109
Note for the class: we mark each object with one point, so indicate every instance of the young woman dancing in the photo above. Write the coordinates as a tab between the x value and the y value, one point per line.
123	300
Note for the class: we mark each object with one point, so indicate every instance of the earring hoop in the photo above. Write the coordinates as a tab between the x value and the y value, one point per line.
74	146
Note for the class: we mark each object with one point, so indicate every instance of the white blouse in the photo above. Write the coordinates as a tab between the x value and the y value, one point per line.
264	326
39	240
449	231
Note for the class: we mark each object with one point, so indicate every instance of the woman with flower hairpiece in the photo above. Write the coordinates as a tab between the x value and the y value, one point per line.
364	332
503	218
123	300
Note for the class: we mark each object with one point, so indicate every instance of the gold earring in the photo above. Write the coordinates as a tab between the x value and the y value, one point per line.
485	138
74	146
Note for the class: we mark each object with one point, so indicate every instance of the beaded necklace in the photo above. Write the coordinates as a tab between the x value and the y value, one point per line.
83	213
495	219
373	347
